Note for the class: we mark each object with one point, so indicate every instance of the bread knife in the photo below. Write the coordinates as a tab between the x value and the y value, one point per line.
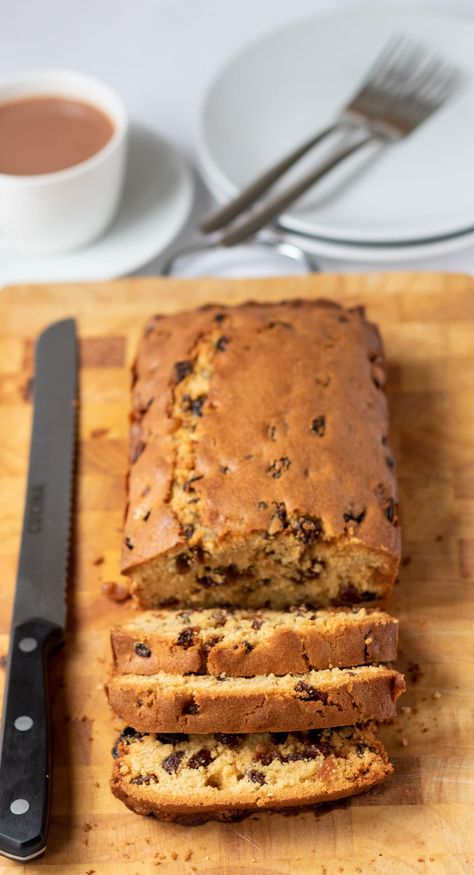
39	610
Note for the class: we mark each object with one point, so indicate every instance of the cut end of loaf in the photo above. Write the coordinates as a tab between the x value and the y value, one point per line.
267	572
202	777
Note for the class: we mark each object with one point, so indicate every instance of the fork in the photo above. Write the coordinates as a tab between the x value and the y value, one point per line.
405	86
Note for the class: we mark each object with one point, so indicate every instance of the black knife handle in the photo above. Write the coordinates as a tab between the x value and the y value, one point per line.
25	758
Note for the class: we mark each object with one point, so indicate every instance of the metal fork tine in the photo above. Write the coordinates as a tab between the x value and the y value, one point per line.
382	60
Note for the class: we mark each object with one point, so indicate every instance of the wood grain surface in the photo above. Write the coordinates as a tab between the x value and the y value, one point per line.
421	820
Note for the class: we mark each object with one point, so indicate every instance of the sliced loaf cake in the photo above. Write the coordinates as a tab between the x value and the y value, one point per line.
203	703
244	643
195	778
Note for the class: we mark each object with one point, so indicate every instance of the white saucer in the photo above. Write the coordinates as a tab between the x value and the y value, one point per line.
157	200
290	84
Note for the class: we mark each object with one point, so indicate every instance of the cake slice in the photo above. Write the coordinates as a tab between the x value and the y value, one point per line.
200	777
244	643
260	468
202	703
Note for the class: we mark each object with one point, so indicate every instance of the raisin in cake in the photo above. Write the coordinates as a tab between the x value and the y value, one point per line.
244	643
201	703
260	471
223	777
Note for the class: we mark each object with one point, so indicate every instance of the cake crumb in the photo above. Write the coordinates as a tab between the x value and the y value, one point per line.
174	855
404	742
99	432
117	592
437	695
188	855
406	709
414	672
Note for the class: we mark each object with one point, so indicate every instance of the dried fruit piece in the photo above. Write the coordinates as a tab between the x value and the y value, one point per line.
310	693
193	405
229	740
256	777
201	759
144	779
318	426
186	637
182	370
351	516
172	762
221	343
278	467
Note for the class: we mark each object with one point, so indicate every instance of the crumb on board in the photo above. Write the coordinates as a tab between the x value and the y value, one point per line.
437	695
117	592
99	560
414	672
404	742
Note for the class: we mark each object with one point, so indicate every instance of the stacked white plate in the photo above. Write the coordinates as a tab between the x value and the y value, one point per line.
411	200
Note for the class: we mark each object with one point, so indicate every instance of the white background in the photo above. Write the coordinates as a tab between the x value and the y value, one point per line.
162	54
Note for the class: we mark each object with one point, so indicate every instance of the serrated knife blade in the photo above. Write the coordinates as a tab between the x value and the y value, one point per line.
39	611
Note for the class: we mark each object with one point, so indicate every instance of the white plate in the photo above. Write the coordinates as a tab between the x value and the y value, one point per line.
381	254
378	253
290	84
157	200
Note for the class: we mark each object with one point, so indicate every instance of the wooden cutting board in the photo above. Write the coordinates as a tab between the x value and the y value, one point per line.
421	820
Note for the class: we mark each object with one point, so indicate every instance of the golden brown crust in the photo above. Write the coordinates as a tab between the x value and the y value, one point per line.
243	644
289	442
202	704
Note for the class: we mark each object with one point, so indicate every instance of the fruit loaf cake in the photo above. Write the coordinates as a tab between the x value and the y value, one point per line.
202	703
260	468
200	777
244	643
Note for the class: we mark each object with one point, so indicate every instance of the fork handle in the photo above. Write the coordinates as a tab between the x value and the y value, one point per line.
277	205
248	195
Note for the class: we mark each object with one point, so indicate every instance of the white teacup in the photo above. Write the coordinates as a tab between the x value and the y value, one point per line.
56	211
